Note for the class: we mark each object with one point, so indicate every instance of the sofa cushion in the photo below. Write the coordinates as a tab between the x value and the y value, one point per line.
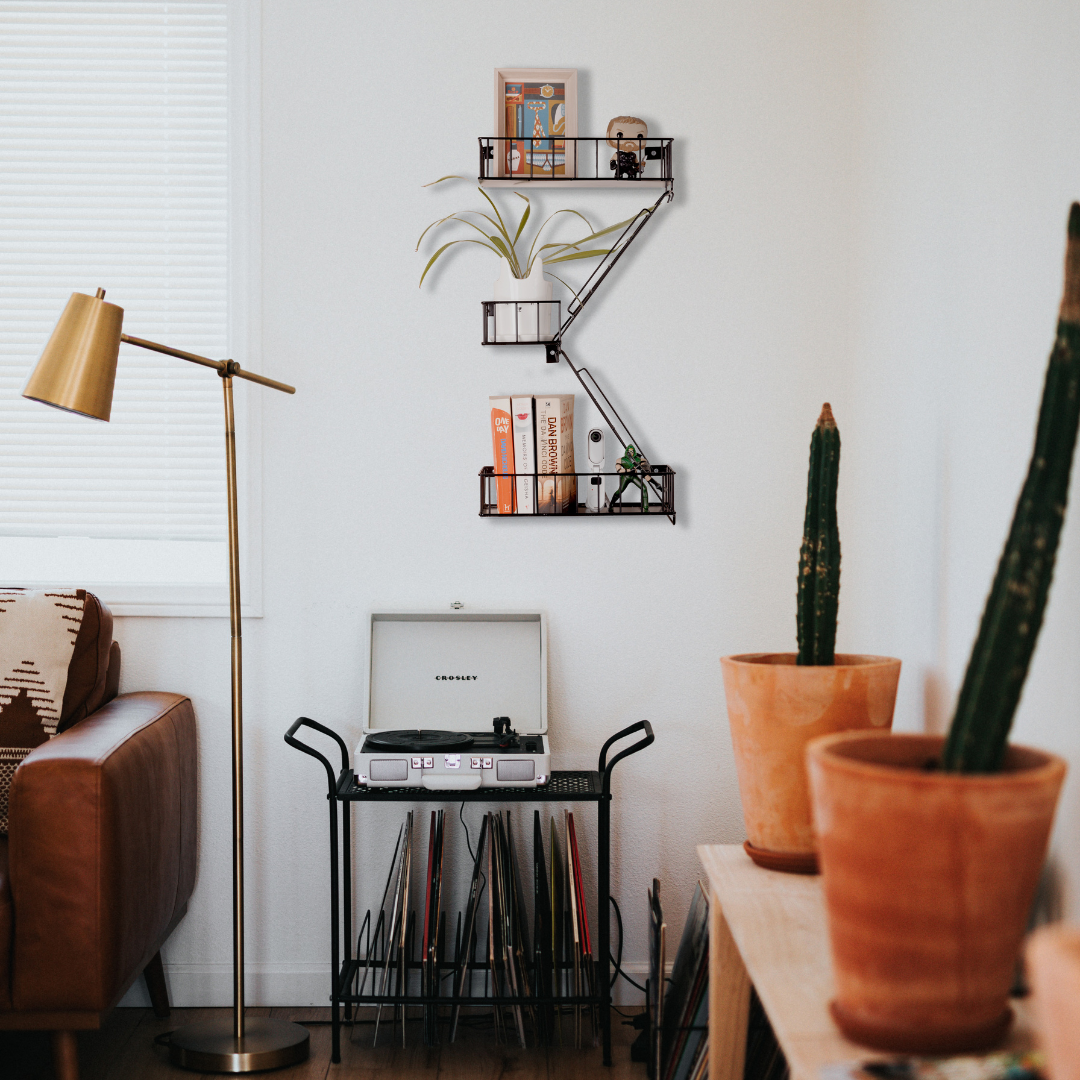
25	722
6	927
89	668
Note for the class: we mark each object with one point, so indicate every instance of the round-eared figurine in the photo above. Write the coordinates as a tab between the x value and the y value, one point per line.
627	135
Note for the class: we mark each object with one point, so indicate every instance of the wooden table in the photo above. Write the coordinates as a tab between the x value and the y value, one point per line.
768	929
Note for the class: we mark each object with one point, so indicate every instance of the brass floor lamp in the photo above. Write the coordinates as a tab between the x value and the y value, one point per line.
76	372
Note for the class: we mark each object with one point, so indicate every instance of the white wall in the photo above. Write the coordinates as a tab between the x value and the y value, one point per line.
869	210
969	157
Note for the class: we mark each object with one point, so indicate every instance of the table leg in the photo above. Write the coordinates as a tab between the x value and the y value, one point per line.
729	999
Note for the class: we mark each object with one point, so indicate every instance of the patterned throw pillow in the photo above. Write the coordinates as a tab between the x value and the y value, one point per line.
51	642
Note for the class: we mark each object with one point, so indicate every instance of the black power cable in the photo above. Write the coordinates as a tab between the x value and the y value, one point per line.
618	961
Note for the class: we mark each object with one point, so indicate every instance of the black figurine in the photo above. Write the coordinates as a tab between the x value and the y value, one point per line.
627	135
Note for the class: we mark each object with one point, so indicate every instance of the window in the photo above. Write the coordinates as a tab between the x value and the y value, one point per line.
115	141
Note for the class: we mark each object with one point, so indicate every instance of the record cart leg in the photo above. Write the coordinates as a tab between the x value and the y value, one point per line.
603	903
335	953
346	892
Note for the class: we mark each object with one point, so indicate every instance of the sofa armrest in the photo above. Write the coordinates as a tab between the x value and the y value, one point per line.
102	850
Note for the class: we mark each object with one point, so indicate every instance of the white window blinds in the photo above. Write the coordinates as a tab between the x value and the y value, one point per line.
113	173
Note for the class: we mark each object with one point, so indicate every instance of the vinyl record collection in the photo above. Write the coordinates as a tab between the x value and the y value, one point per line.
679	1011
405	949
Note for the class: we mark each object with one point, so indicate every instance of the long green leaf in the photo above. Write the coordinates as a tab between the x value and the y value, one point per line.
524	218
431	261
567	284
457	217
578	255
502	247
442	178
584	240
430	227
502	224
550	218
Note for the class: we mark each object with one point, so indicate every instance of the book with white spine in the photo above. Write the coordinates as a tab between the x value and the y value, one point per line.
523	417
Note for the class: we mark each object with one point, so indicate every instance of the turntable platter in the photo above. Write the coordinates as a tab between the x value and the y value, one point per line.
419	740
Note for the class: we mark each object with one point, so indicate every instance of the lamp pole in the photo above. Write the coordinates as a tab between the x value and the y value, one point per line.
76	373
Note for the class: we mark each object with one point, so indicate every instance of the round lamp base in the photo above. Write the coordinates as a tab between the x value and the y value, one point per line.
210	1046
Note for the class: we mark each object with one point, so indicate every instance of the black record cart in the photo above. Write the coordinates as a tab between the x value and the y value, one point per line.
343	791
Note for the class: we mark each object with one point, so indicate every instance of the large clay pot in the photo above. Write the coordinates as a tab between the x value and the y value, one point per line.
775	708
928	879
1053	967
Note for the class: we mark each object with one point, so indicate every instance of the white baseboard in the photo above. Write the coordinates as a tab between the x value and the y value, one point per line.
282	985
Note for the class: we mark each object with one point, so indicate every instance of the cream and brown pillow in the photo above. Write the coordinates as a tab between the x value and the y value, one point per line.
54	663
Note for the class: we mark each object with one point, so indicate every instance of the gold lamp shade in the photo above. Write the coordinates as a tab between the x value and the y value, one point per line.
78	367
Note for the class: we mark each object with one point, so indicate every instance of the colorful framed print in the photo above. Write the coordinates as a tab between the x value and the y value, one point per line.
535	116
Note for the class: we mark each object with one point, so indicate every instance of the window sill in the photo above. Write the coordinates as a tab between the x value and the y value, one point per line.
160	601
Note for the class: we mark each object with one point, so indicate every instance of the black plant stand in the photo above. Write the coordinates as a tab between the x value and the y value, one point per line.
343	791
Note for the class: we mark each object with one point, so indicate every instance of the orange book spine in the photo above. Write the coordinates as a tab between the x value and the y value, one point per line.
502	442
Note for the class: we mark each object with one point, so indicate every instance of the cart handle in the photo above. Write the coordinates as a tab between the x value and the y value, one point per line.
605	766
290	738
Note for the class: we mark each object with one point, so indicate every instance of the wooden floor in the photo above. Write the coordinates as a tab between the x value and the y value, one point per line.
124	1050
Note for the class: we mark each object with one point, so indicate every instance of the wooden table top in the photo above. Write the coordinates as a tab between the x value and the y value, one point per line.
778	924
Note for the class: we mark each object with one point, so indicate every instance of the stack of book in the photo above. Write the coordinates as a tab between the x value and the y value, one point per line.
533	443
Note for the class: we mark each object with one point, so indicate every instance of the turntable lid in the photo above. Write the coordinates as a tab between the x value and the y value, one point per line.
456	671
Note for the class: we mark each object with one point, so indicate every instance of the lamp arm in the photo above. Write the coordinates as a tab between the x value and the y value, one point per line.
222	367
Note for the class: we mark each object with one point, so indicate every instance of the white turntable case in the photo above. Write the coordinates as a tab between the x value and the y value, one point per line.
456	671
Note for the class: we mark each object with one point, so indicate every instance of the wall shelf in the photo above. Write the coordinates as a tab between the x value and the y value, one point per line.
661	498
584	161
530	322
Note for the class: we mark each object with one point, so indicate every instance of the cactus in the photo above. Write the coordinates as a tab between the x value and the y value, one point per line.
819	559
1014	609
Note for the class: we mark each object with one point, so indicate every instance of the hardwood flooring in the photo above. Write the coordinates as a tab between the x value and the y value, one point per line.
125	1050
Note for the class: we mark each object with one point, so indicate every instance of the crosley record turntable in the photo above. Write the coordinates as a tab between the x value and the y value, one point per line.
456	701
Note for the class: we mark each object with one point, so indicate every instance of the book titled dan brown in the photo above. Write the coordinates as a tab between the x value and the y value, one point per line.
503	446
555	454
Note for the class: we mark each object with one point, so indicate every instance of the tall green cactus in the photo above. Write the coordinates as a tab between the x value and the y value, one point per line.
1014	609
819	559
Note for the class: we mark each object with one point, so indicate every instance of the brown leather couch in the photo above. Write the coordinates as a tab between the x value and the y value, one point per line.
99	860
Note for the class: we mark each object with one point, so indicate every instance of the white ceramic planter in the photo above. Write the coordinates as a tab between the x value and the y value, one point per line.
522	321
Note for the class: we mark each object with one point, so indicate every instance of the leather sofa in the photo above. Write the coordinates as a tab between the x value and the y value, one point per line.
100	856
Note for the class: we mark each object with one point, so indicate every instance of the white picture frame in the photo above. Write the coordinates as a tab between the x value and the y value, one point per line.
540	153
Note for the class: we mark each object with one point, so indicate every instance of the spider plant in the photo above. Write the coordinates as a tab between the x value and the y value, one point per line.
495	235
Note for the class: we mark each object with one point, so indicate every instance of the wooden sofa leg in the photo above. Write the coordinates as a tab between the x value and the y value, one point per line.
154	974
65	1055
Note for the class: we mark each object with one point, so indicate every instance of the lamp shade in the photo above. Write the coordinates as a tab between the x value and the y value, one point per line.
78	367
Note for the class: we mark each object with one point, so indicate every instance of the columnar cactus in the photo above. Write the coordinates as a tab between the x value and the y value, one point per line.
1014	609
819	559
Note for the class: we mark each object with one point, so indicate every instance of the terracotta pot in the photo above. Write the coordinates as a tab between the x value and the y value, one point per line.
775	708
928	879
1053	965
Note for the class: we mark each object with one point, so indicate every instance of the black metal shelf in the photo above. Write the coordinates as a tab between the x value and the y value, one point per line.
342	792
585	161
562	787
661	482
521	322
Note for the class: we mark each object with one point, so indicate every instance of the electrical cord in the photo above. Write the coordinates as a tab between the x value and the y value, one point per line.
618	960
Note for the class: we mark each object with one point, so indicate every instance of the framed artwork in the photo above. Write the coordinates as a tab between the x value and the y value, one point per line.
535	113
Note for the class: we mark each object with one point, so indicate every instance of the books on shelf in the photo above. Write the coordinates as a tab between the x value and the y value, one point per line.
502	446
555	453
532	441
523	423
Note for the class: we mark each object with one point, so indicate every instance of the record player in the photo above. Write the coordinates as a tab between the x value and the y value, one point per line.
455	701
